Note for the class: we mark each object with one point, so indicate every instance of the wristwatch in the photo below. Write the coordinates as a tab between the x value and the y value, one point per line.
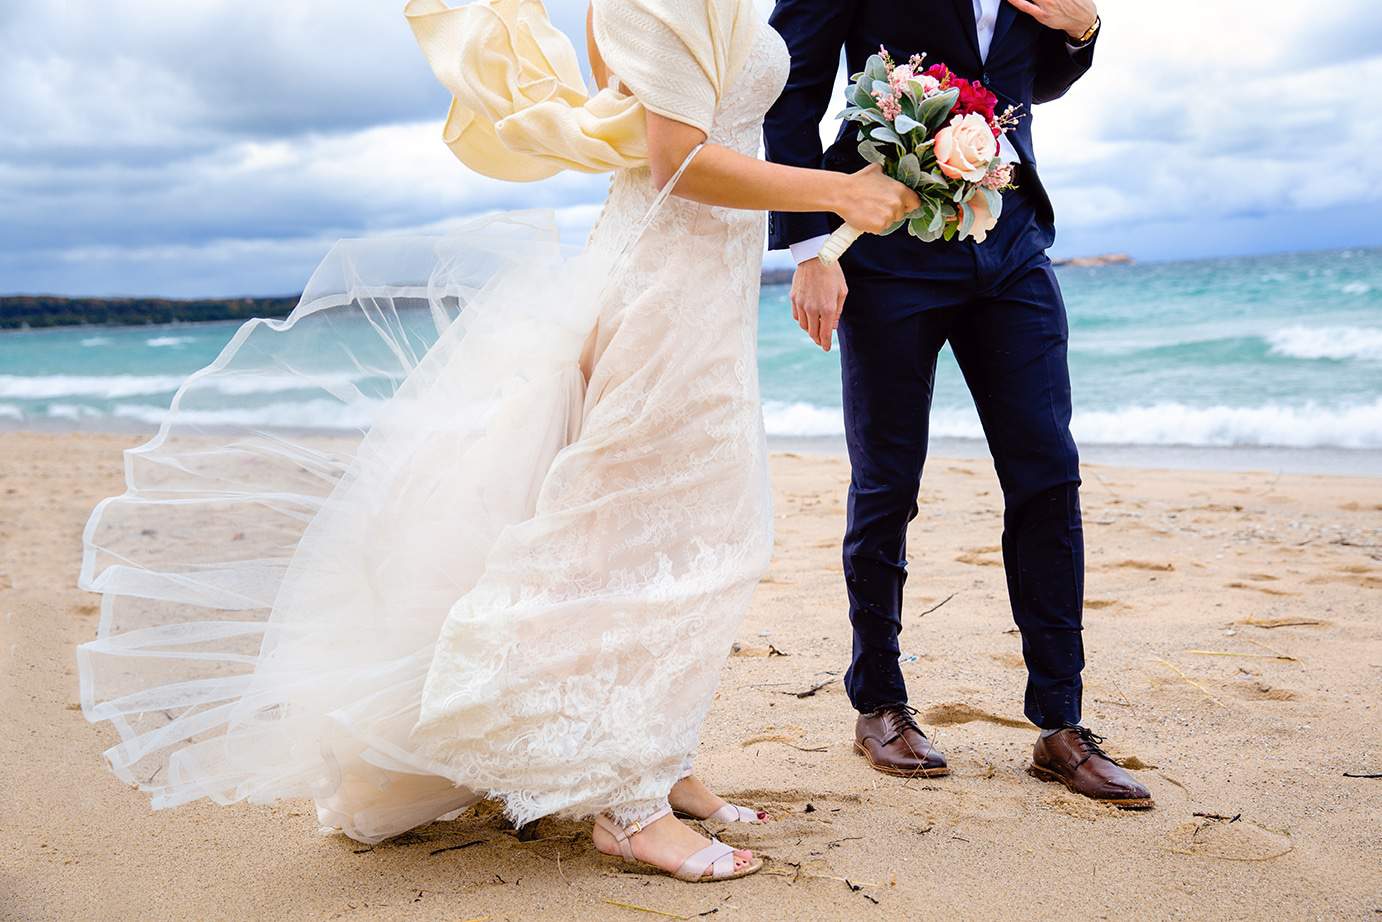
1088	35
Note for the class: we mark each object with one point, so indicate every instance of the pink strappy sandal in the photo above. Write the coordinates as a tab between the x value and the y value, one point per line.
717	857
729	813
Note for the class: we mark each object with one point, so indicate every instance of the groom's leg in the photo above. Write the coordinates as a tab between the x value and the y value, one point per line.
888	367
1012	349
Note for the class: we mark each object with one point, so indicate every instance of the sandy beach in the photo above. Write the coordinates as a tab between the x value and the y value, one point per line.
1234	641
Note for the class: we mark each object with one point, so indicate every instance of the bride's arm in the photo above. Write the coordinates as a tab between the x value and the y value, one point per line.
598	68
719	176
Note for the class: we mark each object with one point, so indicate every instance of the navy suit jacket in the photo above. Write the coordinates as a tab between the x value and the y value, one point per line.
1027	64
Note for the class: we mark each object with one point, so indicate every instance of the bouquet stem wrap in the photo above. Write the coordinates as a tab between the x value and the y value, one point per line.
839	241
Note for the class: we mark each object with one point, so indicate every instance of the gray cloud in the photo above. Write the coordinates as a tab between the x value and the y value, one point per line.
218	147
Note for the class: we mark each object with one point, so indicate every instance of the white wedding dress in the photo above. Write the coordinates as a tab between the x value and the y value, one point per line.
518	577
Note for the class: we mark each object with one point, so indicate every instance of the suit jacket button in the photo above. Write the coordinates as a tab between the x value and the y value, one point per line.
984	78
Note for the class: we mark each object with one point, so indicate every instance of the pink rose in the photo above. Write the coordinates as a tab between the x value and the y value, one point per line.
927	85
965	147
984	221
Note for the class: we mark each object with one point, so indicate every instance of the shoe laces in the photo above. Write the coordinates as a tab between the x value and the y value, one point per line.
1092	744
901	717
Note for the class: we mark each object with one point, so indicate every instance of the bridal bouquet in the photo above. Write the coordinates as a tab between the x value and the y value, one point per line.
938	134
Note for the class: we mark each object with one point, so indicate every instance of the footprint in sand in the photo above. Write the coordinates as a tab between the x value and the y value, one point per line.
948	715
1011	660
1230	839
1140	565
978	557
1258	691
1265	590
1362	580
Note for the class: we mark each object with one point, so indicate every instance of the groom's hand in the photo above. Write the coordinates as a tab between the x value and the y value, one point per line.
818	296
1073	17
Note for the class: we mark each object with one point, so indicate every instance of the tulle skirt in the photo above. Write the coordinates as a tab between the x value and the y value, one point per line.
516	575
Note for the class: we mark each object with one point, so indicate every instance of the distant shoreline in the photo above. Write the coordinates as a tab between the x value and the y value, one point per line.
44	312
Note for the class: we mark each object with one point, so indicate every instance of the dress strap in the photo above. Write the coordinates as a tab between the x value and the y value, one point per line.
662	195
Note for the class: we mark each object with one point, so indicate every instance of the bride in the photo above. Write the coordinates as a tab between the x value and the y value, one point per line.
519	575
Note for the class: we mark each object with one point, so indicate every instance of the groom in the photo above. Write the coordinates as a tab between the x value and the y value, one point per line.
999	306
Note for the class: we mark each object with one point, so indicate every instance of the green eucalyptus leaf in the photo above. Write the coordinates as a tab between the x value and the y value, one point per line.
930	182
882	88
892	228
995	202
934	111
967	221
937	222
909	170
905	124
876	68
884	133
860	97
870	152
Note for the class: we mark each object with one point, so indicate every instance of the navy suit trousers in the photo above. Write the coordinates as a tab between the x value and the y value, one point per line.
1007	329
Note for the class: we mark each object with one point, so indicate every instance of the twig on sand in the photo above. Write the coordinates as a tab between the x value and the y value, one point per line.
1363	774
1121	694
798	872
810	692
547	839
1194	854
1167	777
1219	816
1206	692
1270	623
1275	656
1271	650
938	605
456	848
656	912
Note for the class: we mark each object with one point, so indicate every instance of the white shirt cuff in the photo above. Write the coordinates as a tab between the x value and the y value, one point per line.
807	249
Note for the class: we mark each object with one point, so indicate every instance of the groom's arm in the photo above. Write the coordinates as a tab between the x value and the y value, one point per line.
1064	54
815	31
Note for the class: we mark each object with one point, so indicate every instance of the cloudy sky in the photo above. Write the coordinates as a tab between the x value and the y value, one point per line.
218	147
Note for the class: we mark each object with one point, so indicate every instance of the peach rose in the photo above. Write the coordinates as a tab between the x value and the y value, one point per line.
965	147
984	221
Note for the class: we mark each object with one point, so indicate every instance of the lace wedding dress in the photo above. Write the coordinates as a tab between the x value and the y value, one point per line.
520	574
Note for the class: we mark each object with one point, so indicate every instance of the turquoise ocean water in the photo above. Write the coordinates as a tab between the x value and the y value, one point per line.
1273	356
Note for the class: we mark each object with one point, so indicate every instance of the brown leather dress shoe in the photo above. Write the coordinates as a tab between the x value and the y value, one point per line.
1073	758
894	745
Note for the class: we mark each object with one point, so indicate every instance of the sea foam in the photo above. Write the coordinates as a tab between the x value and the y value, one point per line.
1330	342
1168	423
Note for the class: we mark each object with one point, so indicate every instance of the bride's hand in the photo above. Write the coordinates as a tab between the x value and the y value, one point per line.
873	202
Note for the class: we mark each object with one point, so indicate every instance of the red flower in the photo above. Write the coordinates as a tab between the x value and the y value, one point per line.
975	97
941	73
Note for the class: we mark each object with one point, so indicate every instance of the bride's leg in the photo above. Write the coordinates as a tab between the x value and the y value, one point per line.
665	843
690	796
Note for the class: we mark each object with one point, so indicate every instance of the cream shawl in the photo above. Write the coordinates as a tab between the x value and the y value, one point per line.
519	108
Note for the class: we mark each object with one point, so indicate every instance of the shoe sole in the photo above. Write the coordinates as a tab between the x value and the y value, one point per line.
900	772
642	867
1125	803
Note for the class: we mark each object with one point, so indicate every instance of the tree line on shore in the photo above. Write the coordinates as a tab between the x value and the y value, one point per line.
36	311
24	312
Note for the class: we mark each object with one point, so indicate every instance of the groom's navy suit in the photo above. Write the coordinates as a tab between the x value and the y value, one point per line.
996	303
